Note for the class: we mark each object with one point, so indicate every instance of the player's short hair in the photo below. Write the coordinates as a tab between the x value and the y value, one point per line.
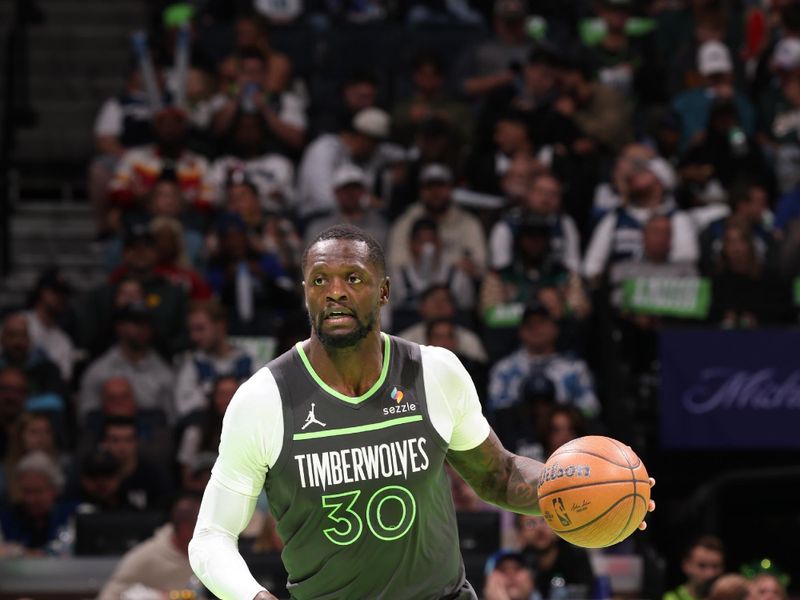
353	234
709	542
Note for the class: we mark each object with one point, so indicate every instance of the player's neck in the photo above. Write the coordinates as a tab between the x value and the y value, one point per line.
350	371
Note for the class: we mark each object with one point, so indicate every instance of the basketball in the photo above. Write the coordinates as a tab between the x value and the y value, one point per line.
594	491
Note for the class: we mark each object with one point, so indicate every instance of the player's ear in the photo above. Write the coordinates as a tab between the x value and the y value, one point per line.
385	291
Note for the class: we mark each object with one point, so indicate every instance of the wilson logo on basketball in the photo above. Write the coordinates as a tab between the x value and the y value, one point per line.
556	471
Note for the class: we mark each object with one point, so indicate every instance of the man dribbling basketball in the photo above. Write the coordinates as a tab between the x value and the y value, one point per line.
359	494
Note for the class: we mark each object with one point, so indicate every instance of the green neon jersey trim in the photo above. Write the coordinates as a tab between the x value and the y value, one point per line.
350	399
361	428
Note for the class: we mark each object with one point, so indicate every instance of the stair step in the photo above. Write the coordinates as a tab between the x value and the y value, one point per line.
55	209
76	87
86	20
55	229
16	287
83	34
51	142
60	260
56	9
24	279
12	300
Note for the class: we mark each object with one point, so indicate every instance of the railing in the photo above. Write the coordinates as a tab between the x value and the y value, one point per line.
704	504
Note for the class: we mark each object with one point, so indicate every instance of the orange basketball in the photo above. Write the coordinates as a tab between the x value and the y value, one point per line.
594	491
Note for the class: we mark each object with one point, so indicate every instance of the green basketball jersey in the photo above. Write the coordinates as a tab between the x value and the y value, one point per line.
359	489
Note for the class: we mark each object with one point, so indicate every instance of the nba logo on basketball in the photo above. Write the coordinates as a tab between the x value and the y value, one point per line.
561	512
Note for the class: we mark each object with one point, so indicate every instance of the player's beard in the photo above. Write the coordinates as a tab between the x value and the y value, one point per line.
347	340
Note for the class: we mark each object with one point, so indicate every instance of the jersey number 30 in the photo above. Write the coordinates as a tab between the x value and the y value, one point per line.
350	525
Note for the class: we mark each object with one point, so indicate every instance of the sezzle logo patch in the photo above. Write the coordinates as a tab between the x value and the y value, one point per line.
400	405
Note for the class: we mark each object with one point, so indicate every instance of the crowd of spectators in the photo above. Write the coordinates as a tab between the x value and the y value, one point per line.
519	190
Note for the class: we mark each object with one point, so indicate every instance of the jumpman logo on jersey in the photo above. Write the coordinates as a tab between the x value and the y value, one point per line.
312	419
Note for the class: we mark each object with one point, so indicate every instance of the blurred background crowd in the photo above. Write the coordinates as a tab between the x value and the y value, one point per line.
554	184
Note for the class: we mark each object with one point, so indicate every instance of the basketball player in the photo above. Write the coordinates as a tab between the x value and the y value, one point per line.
348	433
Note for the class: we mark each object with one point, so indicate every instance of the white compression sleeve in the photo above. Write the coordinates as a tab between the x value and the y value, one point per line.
213	551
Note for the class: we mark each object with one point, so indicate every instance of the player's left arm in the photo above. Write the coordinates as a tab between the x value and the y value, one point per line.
499	476
503	478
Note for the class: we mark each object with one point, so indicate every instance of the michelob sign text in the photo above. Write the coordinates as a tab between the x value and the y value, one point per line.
730	389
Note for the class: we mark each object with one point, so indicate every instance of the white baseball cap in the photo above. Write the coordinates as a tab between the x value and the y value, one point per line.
663	172
347	174
714	57
787	54
435	172
372	122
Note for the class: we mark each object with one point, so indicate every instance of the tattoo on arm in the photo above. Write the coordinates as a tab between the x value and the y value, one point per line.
498	476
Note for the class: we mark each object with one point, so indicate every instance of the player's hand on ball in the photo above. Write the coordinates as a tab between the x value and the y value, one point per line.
262	595
651	506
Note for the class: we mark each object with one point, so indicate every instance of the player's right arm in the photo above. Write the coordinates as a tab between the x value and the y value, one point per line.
252	434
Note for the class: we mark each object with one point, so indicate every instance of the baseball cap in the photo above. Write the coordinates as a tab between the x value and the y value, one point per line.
510	9
348	174
53	279
435	173
240	177
538	385
138	232
172	110
433	127
534	224
670	120
538	309
663	172
543	53
500	556
229	221
372	122
177	14
618	4
99	463
714	57
133	312
38	461
787	54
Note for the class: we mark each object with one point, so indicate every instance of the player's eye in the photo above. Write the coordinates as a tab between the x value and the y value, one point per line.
318	280
353	278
